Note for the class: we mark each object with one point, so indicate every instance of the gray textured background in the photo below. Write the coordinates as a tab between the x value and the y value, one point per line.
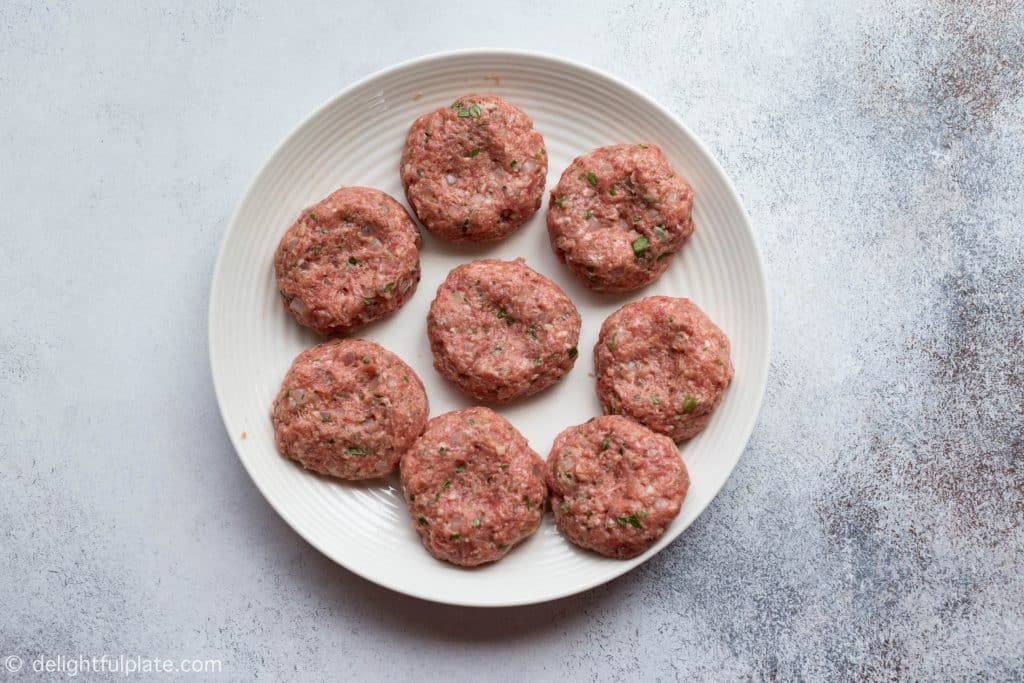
873	527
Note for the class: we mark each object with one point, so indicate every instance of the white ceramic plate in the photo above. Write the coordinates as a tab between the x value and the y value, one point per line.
356	139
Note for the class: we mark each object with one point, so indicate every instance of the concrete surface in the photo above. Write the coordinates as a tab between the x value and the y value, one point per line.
873	527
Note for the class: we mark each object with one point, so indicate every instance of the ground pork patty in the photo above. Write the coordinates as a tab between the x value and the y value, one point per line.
662	362
348	408
475	171
473	486
615	485
500	330
350	259
618	214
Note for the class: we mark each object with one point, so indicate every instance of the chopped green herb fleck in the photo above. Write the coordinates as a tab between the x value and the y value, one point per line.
539	155
504	466
475	111
423	521
460	468
637	219
689	404
312	216
442	450
611	343
502	313
405	378
567	475
473	152
388	287
352	261
656	401
573	352
514	165
605	444
591	178
446	485
640	245
664	255
642	145
476	522
456	537
588	214
536	362
632	520
503	547
612	191
528	502
356	450
559	202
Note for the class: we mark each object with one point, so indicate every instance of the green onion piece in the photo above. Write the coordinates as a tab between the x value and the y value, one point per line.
632	520
689	404
591	178
640	245
573	352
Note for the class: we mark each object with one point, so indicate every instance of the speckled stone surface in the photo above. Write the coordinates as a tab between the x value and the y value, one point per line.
873	527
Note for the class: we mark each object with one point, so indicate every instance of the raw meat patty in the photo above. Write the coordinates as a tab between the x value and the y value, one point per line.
475	171
348	408
473	486
617	216
615	485
350	259
662	362
500	330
